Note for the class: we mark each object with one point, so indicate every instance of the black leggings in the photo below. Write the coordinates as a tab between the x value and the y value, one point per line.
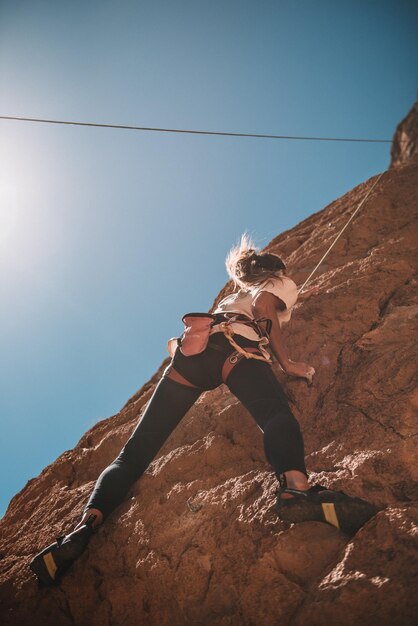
251	381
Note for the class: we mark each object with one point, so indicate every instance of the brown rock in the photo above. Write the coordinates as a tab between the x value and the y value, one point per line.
366	585
197	541
405	140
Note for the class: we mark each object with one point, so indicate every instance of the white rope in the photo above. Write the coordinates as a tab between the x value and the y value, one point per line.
341	232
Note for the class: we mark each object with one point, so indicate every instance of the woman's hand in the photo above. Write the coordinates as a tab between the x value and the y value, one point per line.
304	295
300	370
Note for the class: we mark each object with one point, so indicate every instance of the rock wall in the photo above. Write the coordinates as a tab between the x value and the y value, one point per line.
197	542
405	140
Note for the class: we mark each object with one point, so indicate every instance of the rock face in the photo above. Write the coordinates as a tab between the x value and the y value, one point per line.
197	542
405	140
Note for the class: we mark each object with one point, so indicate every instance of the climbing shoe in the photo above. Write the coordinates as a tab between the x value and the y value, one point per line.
50	564
320	504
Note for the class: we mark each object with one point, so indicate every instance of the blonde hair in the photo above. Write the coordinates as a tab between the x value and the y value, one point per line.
246	266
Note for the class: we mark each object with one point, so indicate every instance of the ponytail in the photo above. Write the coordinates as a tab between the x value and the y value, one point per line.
246	266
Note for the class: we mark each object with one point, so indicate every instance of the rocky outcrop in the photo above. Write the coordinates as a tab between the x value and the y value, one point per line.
405	140
198	541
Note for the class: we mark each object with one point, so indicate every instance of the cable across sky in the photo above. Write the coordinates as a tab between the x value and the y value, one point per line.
192	132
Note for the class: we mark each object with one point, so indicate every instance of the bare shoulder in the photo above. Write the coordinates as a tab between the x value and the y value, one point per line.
266	302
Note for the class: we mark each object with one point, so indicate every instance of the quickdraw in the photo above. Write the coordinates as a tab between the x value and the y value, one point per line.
228	331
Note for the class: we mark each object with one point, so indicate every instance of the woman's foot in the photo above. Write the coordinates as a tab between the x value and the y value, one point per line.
50	564
324	505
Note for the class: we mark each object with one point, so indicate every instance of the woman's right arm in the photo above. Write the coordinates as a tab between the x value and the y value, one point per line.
266	305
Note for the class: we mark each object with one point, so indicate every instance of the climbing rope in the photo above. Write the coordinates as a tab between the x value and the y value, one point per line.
342	230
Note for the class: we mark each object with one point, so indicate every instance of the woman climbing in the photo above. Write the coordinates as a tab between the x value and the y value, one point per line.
228	346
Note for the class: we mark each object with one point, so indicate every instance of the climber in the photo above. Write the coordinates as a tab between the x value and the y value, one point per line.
230	346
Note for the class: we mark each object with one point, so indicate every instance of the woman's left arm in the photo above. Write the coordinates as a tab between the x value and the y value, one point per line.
265	305
307	293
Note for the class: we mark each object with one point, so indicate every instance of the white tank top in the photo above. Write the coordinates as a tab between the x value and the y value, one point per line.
242	301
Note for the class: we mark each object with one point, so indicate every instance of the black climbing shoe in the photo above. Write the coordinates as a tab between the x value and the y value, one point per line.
319	504
50	564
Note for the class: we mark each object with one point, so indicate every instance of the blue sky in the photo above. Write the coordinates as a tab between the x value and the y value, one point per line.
106	236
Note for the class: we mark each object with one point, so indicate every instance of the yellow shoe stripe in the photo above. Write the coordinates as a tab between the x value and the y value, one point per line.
50	565
330	514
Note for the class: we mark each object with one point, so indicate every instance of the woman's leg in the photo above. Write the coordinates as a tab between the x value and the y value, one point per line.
255	385
168	404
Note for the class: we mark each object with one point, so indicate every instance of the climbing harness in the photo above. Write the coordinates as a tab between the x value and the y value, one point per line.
198	327
341	232
230	362
196	338
173	374
236	357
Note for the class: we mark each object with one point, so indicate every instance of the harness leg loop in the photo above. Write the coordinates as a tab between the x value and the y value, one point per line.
173	374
